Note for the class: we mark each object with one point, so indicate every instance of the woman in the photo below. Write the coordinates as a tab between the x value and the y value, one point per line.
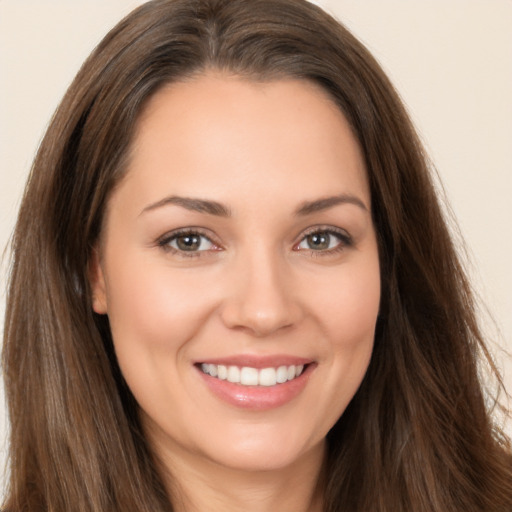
245	295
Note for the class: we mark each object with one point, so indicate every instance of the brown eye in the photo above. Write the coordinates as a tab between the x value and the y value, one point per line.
190	242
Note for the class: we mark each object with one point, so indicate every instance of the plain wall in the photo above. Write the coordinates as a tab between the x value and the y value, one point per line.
451	61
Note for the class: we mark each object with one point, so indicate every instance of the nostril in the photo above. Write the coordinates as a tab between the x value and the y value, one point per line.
259	320
258	299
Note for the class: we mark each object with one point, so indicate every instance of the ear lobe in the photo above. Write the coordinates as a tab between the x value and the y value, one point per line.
97	283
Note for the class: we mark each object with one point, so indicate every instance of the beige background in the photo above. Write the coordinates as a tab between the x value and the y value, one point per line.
451	60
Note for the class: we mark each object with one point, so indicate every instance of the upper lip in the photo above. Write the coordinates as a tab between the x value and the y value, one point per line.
253	361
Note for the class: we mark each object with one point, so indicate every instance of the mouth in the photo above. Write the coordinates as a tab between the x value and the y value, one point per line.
256	383
250	376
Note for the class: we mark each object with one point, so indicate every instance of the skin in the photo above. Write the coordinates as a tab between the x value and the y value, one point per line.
256	285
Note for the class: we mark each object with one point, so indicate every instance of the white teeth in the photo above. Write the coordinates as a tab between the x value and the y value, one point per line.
248	376
268	377
282	374
233	374
222	372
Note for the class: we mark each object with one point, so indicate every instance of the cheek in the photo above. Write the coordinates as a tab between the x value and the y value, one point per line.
152	311
344	306
154	315
348	314
349	310
353	330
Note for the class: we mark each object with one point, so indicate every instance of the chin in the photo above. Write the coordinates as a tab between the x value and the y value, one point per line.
263	452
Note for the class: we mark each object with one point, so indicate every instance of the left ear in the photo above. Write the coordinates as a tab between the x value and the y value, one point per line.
97	283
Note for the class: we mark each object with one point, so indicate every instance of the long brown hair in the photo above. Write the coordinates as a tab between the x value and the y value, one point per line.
417	435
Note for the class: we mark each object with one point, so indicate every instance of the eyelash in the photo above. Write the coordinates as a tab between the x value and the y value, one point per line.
345	241
165	241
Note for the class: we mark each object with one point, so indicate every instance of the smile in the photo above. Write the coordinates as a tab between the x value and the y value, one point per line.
248	376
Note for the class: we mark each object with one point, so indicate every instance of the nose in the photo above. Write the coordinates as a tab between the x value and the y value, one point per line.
261	300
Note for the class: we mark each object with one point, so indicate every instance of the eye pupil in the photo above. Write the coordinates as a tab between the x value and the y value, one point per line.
188	242
318	241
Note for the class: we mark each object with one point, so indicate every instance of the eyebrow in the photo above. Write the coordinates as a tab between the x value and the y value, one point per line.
309	207
220	210
193	204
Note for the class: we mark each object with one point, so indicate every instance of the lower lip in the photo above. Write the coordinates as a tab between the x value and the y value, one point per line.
258	397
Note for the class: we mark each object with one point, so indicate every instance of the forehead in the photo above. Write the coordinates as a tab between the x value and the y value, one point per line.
216	134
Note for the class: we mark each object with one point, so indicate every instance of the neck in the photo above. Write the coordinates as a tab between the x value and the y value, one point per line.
199	485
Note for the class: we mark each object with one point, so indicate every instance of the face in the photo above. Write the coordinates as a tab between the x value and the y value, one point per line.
239	270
